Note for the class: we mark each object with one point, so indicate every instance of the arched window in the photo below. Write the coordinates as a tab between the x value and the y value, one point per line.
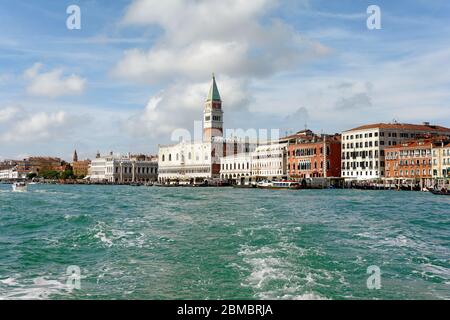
177	156
170	157
189	156
163	157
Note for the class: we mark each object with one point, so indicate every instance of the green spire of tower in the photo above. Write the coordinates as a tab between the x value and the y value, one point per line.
213	94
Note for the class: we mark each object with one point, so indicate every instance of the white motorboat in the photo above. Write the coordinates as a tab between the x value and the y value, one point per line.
19	187
284	184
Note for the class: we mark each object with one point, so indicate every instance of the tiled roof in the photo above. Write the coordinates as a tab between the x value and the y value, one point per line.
402	126
412	144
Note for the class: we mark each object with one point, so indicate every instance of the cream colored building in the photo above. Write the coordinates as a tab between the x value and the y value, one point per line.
269	162
123	169
363	148
237	168
441	161
10	174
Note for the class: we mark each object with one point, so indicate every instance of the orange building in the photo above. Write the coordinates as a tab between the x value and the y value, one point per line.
313	156
81	168
410	161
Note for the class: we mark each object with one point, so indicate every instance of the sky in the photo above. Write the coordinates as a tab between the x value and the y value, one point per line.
138	70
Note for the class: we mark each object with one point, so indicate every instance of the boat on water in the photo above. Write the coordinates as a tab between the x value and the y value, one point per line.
292	185
19	187
442	192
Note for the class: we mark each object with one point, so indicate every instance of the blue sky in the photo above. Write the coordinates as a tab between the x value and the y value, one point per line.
139	69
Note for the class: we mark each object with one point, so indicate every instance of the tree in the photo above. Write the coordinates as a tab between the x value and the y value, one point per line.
67	174
31	175
49	174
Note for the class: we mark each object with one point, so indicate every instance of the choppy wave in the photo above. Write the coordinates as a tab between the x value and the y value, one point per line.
149	243
40	289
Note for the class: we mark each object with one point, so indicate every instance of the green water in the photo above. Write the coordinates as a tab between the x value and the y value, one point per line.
222	243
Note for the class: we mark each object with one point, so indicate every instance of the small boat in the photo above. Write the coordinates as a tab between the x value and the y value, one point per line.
293	185
443	192
19	187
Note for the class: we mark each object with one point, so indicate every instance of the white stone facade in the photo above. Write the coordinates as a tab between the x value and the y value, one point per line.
117	169
10	174
194	162
236	168
270	162
441	161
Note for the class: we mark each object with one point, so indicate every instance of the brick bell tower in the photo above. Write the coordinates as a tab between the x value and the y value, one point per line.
213	114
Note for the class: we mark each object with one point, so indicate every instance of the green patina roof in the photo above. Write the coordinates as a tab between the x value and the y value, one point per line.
213	94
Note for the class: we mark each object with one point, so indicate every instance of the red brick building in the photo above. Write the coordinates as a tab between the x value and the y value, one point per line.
313	156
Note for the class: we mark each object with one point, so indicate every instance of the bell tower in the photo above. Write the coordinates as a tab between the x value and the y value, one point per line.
213	114
75	156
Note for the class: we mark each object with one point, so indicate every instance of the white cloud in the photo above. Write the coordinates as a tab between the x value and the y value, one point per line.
236	39
27	126
7	113
410	88
180	104
52	83
204	36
